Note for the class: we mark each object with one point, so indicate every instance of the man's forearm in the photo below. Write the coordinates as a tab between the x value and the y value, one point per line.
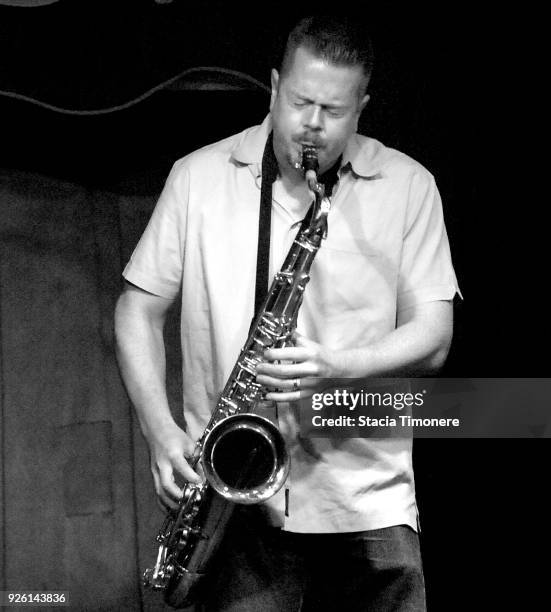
141	357
418	346
409	350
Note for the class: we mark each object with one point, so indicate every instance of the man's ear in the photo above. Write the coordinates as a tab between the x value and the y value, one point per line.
363	103
275	85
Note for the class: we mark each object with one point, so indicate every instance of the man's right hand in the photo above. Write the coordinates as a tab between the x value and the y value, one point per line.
169	449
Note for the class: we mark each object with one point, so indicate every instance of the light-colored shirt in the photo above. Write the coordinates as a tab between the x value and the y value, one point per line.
386	250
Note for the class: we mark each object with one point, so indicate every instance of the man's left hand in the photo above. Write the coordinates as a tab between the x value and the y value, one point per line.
295	372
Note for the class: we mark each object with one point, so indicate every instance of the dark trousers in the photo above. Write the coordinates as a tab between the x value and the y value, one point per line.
269	570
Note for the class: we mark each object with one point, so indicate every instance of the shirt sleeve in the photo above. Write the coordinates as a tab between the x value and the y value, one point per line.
157	261
426	270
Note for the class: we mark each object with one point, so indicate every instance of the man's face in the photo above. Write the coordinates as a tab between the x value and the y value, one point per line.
315	103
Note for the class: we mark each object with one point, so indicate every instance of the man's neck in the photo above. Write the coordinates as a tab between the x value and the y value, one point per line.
291	179
294	197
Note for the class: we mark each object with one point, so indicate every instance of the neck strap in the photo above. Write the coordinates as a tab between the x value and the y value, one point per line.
269	174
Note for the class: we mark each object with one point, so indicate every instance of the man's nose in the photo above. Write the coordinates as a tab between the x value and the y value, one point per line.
314	118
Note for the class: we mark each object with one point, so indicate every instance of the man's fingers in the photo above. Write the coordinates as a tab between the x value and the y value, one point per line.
286	370
302	350
272	383
184	469
165	501
286	384
290	353
288	396
168	486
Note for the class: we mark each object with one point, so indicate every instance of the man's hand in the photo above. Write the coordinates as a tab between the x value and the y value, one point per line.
169	449
304	367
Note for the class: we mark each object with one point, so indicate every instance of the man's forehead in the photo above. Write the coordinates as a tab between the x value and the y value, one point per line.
306	65
304	57
317	78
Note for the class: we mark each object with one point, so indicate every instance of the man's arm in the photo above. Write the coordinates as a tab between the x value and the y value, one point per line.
418	346
139	321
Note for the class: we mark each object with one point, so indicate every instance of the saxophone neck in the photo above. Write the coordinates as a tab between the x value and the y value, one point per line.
322	204
320	218
318	189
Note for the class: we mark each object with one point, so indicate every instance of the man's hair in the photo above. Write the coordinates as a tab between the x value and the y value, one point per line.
337	40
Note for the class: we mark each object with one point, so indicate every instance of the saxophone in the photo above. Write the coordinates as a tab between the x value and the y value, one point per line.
242	455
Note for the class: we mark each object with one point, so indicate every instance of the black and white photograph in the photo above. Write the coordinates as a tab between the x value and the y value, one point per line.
273	324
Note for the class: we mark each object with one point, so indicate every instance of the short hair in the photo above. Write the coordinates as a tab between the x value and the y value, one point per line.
337	40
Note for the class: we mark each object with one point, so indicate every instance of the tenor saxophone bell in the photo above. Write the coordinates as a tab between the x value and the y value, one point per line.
245	459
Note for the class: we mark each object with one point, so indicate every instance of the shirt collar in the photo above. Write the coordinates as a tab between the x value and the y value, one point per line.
250	148
364	155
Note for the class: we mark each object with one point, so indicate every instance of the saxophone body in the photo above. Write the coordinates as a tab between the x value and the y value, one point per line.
242	455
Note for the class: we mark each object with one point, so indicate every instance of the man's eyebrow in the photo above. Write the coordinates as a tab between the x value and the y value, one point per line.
304	98
300	96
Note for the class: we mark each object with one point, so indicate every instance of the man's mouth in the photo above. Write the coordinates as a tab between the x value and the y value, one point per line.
309	142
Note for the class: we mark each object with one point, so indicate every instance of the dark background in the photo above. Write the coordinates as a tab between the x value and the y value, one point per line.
449	88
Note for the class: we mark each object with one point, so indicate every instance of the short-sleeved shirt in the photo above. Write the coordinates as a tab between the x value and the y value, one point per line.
386	250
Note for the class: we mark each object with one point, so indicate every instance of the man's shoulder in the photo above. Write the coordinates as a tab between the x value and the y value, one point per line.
372	153
216	155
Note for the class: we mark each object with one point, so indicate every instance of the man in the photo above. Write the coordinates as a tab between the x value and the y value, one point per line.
342	535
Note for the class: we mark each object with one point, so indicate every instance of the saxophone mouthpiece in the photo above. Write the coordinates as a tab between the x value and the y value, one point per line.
310	165
310	158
